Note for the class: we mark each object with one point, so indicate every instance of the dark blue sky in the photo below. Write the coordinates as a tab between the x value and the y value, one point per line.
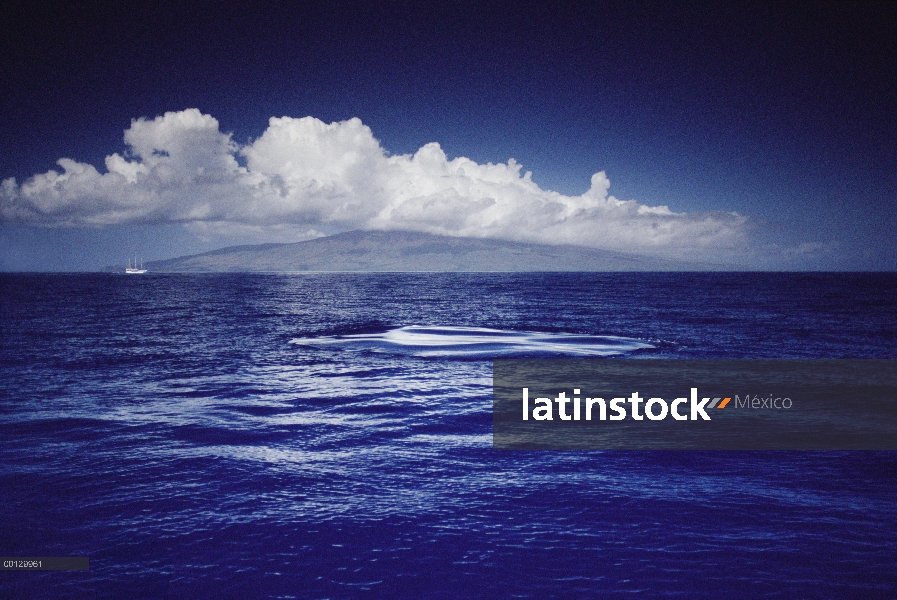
786	114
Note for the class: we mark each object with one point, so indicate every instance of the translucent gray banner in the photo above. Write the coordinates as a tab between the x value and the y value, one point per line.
45	563
602	404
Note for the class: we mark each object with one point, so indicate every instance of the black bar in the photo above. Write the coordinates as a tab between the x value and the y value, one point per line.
45	563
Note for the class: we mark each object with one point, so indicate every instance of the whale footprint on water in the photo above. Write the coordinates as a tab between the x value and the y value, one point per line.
420	340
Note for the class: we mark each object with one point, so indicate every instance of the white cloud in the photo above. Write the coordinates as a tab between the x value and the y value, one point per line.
239	233
303	175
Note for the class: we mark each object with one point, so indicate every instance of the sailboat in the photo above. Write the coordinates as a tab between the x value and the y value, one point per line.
135	270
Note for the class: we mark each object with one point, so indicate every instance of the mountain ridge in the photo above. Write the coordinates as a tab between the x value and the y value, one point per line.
406	251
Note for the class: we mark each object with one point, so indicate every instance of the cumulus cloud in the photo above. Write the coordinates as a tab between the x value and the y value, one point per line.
303	175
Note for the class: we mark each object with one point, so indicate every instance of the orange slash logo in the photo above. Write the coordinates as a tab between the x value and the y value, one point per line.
722	404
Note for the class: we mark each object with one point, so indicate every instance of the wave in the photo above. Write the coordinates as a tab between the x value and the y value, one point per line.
419	340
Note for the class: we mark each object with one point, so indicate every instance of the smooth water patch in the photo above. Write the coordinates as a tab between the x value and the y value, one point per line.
419	340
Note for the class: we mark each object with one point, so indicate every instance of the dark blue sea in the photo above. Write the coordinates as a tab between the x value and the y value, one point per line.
330	436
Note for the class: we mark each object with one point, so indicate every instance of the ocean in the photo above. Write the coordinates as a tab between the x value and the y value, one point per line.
330	436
